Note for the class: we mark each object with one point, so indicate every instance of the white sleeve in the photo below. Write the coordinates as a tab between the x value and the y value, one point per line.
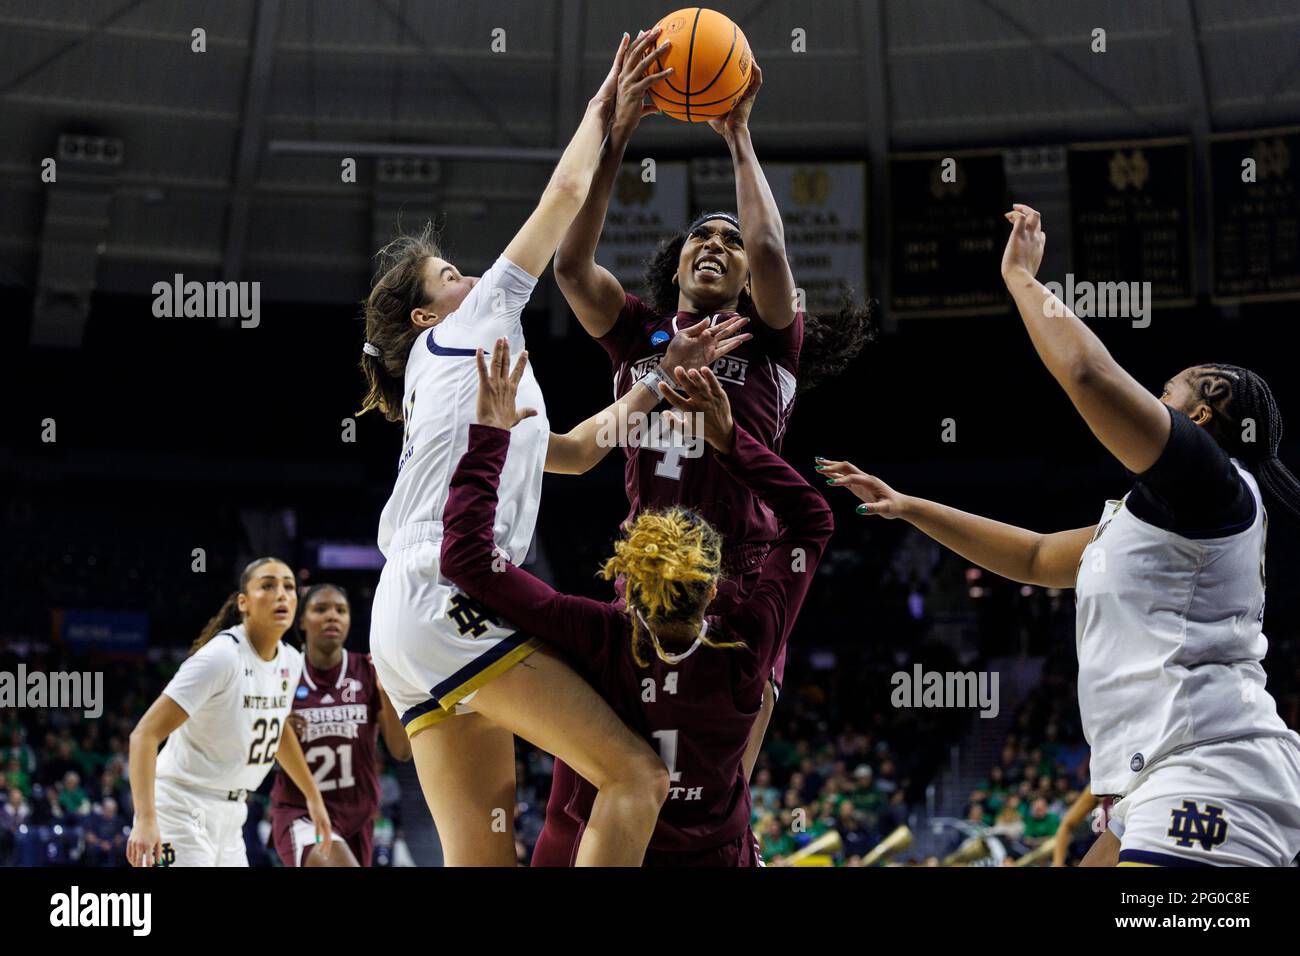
493	307
208	672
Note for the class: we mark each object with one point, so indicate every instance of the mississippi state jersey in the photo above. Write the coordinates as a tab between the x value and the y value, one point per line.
1170	639
698	707
237	704
341	707
760	379
439	404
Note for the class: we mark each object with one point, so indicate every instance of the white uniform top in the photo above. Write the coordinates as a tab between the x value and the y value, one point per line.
1170	637
439	405
237	704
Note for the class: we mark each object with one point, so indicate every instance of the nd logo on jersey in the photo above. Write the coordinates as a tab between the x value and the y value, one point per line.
1189	825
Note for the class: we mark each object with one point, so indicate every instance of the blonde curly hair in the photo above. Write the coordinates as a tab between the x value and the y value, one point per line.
670	561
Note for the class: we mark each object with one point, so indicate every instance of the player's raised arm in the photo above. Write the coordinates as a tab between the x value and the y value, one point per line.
1126	418
591	290
771	282
144	846
586	445
469	559
1048	560
531	249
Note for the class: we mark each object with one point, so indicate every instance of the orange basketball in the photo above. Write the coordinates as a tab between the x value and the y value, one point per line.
711	65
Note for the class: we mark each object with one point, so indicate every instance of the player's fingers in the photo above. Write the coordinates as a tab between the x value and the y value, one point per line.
482	369
648	109
640	86
675	400
711	384
520	364
730	327
731	344
524	413
501	359
642	43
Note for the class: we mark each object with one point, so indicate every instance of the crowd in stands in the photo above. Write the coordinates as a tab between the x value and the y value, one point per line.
66	798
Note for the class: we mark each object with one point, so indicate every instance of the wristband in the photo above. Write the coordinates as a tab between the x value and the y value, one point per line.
652	380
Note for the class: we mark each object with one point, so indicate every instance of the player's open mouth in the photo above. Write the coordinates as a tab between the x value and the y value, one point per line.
710	265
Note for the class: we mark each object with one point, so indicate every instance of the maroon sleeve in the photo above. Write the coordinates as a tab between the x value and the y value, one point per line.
577	625
783	345
618	341
770	610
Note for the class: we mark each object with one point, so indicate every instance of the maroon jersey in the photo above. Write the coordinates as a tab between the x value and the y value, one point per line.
341	707
759	377
696	709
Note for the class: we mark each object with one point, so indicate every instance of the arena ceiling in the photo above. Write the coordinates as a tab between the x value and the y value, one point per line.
229	160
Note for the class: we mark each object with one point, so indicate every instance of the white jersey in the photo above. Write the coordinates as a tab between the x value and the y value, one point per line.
237	704
1170	638
439	405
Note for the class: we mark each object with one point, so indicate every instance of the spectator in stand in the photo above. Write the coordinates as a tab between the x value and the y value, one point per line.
856	840
1040	824
17	776
105	836
56	768
13	814
1009	823
765	796
72	797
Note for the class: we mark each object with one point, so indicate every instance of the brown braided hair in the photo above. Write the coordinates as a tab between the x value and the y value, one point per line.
1247	424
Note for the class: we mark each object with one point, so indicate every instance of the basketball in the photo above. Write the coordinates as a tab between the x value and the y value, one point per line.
711	65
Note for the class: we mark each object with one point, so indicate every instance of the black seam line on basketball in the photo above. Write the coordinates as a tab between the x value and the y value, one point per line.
660	97
690	55
724	63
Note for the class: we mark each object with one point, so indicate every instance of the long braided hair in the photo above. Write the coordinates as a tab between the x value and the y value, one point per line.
669	561
1248	426
829	344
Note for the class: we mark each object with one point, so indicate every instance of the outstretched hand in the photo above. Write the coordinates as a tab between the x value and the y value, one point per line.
635	80
701	345
737	117
1026	243
497	387
877	497
706	402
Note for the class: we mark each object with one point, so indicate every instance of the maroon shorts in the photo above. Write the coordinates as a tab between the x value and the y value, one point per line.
558	845
361	843
742	851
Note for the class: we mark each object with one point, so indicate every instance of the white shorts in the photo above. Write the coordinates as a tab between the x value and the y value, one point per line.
1234	803
433	647
199	827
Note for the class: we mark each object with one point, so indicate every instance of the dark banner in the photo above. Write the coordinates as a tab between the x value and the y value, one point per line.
1131	216
1255	181
947	233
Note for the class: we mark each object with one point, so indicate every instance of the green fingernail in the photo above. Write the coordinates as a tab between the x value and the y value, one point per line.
830	481
863	509
820	467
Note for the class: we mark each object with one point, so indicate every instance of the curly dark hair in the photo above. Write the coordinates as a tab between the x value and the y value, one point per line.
829	344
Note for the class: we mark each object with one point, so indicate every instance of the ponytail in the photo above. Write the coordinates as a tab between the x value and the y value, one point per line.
398	289
225	618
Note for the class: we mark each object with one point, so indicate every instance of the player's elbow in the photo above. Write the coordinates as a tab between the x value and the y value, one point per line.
568	190
766	243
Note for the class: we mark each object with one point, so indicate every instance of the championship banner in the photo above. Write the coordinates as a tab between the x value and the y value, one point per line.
823	210
1131	216
947	233
648	202
1255	181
